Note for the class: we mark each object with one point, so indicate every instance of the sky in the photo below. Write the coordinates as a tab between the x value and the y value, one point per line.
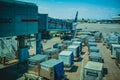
87	9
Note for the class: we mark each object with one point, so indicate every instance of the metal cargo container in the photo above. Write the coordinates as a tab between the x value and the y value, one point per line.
51	52
37	58
84	39
74	49
79	44
67	42
91	40
118	56
75	39
113	49
67	57
98	35
110	42
18	18
96	57
59	46
93	49
92	44
93	71
34	61
52	68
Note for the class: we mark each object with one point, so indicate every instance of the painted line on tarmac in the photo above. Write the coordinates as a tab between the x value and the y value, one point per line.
81	72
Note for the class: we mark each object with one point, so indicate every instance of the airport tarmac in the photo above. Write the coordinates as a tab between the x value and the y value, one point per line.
112	72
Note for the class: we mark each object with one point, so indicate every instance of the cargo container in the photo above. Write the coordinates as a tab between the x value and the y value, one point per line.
34	61
75	39
110	42
67	57
96	57
59	46
98	36
52	69
37	58
93	71
79	44
83	39
51	52
113	50
67	42
74	49
118	57
93	49
91	40
92	44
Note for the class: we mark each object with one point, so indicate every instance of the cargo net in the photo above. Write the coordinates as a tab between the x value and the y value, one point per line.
7	49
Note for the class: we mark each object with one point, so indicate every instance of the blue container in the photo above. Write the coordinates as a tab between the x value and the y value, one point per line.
92	44
93	49
57	65
97	57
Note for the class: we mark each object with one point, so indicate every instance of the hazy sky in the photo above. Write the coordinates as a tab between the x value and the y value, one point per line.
88	9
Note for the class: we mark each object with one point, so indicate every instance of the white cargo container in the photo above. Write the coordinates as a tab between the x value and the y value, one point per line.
79	44
96	57
113	49
93	71
74	49
67	57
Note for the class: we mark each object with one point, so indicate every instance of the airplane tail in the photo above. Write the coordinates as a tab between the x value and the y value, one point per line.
76	17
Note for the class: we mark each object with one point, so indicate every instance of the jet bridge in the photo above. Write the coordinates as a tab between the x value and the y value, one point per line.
18	19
